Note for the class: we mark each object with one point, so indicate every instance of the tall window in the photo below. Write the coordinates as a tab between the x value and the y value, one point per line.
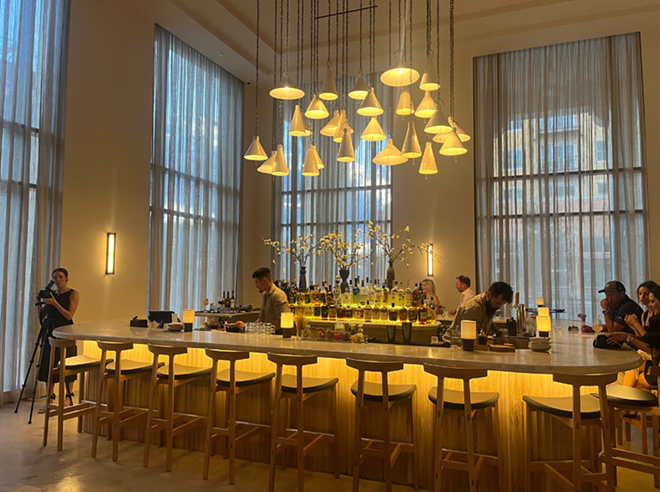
344	198
561	170
33	55
196	177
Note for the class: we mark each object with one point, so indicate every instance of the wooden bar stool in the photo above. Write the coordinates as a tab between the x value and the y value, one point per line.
299	389
170	376
574	411
58	372
464	404
232	382
382	395
113	413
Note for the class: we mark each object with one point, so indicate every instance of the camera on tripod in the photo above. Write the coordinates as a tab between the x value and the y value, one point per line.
45	293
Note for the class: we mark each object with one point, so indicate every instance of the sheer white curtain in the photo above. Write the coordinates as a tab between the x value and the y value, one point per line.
561	170
345	197
196	177
33	58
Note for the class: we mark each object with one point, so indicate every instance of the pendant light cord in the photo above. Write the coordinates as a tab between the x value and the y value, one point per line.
256	83
360	71
451	58
410	46
437	41
329	19
287	36
390	129
281	35
274	134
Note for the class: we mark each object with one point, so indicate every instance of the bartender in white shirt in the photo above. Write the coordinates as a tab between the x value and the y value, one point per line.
463	286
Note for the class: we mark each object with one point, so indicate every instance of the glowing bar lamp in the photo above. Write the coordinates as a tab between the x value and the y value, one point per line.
110	248
286	322
429	260
544	311
188	319
468	334
543	326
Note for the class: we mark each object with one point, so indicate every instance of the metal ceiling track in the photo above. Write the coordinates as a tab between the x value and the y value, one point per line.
346	12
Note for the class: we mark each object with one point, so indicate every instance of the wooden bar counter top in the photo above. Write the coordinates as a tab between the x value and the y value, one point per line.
511	374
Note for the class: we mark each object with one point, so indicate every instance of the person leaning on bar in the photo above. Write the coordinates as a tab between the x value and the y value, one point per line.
616	306
482	308
274	301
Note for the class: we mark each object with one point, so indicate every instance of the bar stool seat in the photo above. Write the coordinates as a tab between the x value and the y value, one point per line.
81	363
562	406
183	372
244	378
455	400
130	367
309	385
618	395
374	391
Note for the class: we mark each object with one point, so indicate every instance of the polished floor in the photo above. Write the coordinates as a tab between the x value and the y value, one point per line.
26	466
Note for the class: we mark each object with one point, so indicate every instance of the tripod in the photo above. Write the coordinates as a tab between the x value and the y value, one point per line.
42	338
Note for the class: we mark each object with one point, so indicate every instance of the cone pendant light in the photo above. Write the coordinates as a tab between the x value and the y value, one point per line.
310	168
329	129
390	155
405	105
360	89
438	122
329	88
373	132
429	80
464	137
279	167
343	123
428	165
370	106
317	158
267	166
256	152
426	108
346	152
297	128
399	75
286	90
440	137
453	145
411	148
308	130
316	109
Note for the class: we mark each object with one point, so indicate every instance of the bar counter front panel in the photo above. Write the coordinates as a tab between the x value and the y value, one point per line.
511	374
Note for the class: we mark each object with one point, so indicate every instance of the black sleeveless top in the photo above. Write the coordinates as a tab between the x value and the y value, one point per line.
65	301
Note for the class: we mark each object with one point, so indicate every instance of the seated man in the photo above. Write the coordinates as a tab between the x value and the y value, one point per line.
274	299
463	286
482	308
616	306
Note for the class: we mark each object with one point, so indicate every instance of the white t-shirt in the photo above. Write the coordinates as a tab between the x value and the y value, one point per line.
466	295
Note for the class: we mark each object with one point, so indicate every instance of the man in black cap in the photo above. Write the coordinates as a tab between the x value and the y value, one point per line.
616	306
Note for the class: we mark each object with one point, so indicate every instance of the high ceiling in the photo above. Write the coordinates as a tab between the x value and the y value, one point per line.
233	24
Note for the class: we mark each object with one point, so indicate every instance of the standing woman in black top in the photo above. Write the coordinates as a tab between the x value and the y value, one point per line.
60	309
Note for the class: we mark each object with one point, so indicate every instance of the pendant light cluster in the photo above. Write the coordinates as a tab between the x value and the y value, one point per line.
400	77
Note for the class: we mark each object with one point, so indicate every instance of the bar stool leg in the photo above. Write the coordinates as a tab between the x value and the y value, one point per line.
81	397
225	424
613	415
301	436
99	398
527	452
116	416
152	400
170	415
469	435
357	446
501	469
335	427
210	420
413	439
656	446
232	421
274	429
437	436
577	439
607	440
387	448
644	432
50	386
62	390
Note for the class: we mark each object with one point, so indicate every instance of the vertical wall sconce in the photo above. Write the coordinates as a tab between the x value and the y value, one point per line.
429	260
110	248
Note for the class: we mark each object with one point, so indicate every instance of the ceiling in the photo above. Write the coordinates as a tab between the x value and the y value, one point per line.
229	26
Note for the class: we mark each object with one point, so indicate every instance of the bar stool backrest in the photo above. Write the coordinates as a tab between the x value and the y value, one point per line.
579	380
373	366
227	355
115	346
292	360
166	350
454	372
60	344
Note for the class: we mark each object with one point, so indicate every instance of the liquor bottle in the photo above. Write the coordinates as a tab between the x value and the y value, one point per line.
348	312
384	313
394	294
368	313
363	295
232	301
386	296
422	314
403	313
347	297
309	310
323	293
356	292
412	314
340	313
407	295
336	291
220	304
308	295
300	310
358	312
378	294
415	296
300	297
400	296
332	310
394	314
227	300
324	311
317	306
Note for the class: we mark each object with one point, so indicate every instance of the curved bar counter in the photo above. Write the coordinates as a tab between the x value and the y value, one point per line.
511	374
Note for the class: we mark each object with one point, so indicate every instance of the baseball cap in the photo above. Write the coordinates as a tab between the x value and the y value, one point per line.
613	286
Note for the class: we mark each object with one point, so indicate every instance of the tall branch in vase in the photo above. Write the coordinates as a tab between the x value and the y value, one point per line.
299	251
345	254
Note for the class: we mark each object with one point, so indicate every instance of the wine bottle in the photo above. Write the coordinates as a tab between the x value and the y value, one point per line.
232	300
408	295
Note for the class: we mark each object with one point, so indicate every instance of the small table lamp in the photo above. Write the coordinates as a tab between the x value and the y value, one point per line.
468	334
543	326
544	311
188	319
540	301
286	322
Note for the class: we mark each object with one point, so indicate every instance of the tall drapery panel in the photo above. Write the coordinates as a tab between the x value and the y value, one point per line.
196	177
560	170
33	68
344	198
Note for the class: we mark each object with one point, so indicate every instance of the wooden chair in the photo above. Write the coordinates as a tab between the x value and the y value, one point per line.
171	376
117	372
232	382
383	395
58	372
575	411
463	404
298	389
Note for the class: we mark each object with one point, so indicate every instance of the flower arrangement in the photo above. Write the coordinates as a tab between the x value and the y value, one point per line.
300	249
345	253
385	244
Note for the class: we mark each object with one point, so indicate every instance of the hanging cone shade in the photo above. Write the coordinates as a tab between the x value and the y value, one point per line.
464	137
426	108
346	152
297	124
267	166
440	137
316	109
308	130
343	123
317	158
438	122
428	165
256	152
329	129
370	106
310	168
453	145
279	167
373	132
411	148
429	80
286	90
329	88
399	75
405	105
390	155
360	90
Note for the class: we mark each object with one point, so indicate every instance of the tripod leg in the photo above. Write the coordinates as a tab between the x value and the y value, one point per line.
37	345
